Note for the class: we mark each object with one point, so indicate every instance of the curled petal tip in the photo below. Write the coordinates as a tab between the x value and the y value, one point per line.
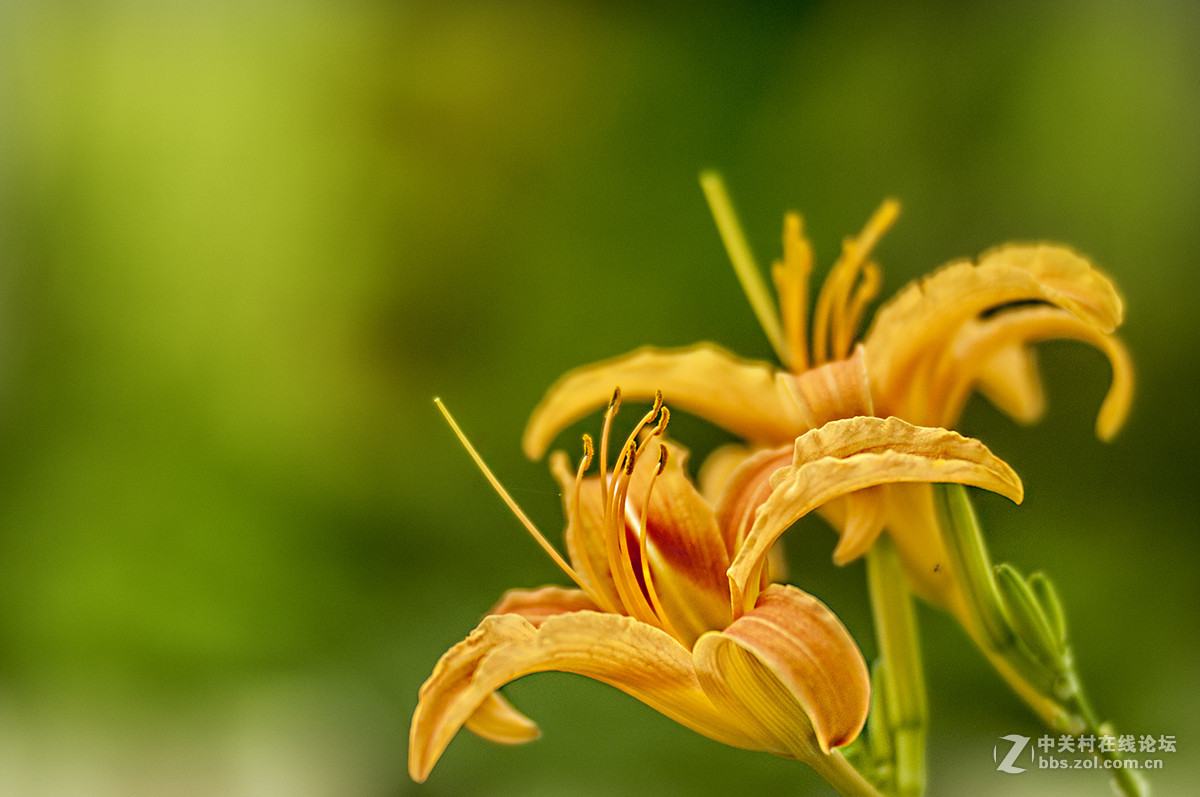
790	668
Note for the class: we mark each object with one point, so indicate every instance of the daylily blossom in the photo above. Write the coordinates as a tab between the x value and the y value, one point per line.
966	327
672	600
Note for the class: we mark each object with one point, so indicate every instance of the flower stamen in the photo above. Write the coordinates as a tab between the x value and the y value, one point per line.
617	542
838	309
512	504
866	290
596	594
791	276
643	543
614	404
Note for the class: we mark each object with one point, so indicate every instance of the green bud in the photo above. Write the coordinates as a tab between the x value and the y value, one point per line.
1047	598
1028	620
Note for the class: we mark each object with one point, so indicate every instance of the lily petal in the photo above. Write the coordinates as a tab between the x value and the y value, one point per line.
1091	295
718	467
918	320
584	534
999	337
537	605
789	667
1011	382
497	721
744	397
844	456
746	489
913	527
833	391
632	656
862	521
687	556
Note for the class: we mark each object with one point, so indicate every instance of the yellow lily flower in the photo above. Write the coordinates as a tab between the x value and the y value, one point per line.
672	603
966	327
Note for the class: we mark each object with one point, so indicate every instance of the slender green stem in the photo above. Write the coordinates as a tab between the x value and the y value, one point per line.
905	706
970	561
839	774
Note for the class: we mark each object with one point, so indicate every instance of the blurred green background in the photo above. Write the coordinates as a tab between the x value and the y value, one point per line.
243	246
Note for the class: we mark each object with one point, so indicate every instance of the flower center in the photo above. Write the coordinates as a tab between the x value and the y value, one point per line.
625	526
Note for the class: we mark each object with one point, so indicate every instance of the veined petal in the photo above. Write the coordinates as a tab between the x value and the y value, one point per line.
1010	381
497	721
844	456
913	527
585	532
832	391
741	396
718	467
440	703
860	519
537	605
990	342
745	490
789	667
634	657
923	319
687	556
1090	294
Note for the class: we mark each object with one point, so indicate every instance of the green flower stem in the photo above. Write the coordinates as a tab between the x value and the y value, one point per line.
1020	625
970	561
839	774
905	710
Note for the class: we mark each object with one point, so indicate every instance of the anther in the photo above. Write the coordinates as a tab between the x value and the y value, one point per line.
588	452
664	417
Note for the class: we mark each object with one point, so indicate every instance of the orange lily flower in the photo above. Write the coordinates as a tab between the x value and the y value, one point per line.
966	327
672	603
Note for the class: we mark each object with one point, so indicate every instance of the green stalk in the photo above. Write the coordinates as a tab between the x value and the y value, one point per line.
905	706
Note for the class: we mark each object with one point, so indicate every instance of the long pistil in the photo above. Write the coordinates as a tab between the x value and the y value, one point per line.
512	505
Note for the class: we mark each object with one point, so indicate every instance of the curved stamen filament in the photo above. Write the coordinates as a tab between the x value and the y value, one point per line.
879	223
617	542
613	405
643	543
596	593
512	505
618	515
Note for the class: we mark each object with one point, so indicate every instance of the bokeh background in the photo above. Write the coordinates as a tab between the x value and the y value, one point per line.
243	246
